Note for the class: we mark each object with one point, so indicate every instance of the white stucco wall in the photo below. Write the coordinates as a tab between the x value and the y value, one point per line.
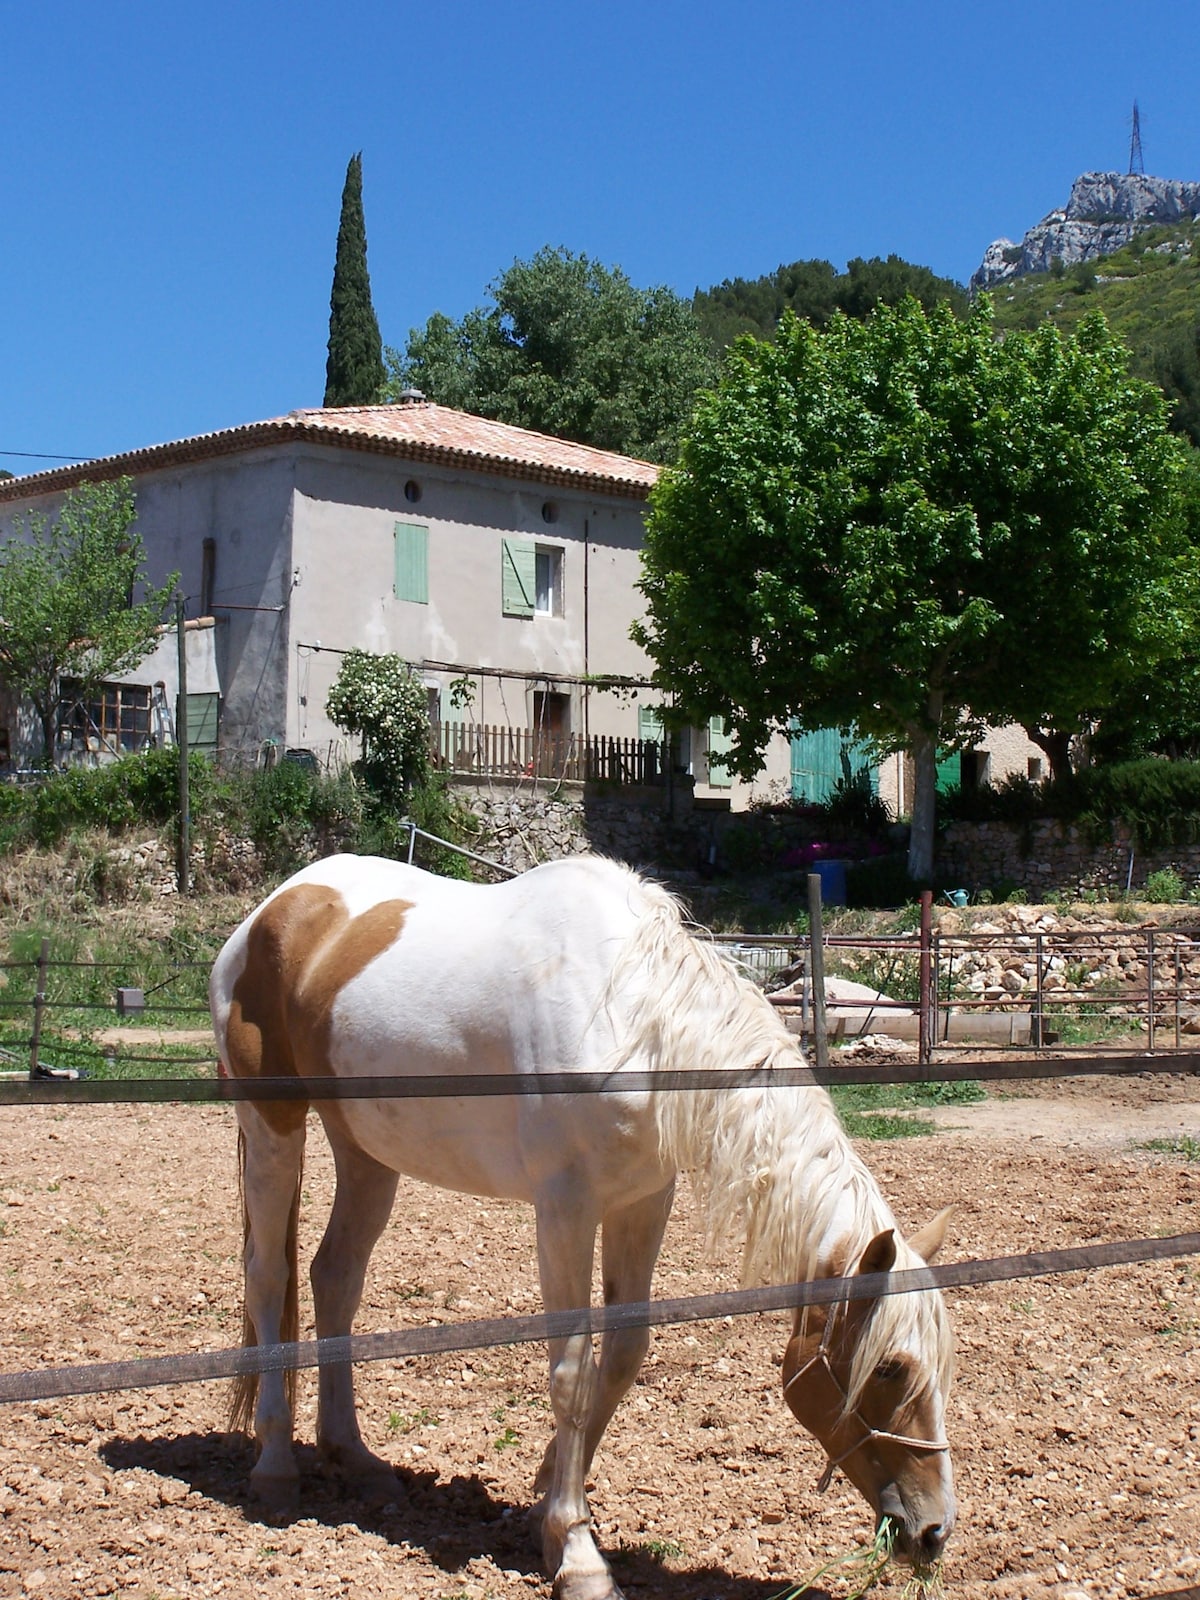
345	512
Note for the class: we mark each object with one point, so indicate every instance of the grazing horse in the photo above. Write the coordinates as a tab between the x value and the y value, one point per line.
361	966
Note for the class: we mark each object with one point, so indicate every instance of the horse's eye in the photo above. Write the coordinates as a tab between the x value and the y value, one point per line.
889	1371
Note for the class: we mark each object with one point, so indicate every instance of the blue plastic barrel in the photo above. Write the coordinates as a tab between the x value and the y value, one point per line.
833	881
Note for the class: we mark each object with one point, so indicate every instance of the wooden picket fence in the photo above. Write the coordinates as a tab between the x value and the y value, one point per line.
506	752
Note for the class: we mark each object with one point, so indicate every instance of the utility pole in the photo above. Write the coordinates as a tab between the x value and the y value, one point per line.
183	845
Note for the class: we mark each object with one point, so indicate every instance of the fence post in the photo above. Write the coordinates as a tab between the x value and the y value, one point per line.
924	1004
816	942
39	1006
1150	988
1178	986
1038	999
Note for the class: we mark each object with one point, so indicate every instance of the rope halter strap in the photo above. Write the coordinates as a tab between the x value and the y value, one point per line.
869	1433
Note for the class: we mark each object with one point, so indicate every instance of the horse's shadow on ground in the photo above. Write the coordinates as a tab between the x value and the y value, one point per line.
453	1520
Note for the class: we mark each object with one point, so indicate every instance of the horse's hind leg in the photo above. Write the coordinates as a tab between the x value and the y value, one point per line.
273	1158
361	1207
632	1238
566	1241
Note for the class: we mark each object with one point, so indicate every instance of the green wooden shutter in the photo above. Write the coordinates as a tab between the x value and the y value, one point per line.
650	724
949	770
203	718
412	562
719	744
518	577
816	764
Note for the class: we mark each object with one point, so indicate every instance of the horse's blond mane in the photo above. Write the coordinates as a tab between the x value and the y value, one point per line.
771	1165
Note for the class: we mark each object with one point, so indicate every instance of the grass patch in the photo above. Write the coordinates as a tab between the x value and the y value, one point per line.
886	1125
1184	1145
884	1110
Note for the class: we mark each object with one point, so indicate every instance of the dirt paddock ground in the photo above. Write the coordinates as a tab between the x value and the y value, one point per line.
1075	1417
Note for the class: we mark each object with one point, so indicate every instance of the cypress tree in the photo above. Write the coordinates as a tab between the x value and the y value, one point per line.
354	371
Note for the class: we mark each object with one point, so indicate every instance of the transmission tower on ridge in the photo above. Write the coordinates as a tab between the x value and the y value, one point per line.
1136	163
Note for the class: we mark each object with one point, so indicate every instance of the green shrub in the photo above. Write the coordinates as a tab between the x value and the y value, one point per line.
748	846
1164	888
854	803
1159	801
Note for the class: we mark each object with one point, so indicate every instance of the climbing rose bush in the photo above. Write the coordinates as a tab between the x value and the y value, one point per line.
382	700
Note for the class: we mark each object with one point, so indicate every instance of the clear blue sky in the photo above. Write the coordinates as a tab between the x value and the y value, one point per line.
172	173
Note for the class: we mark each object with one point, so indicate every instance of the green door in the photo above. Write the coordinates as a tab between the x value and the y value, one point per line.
819	759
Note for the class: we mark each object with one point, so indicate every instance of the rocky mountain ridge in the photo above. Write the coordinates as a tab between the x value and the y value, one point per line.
1104	212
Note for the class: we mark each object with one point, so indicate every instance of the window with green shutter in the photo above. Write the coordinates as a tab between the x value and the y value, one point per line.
412	562
650	724
203	714
518	577
720	743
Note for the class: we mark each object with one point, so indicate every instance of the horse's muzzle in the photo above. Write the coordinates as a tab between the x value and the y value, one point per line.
918	1542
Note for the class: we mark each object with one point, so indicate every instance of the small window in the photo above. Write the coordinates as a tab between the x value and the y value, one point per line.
412	563
1033	769
114	717
548	581
412	491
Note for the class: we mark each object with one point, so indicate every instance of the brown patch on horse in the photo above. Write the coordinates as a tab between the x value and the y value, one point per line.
302	950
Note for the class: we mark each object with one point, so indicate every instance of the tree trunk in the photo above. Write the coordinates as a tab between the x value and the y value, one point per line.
923	748
1057	746
924	808
47	718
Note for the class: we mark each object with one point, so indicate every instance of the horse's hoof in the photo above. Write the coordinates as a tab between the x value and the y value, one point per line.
586	1586
363	1475
376	1488
278	1494
537	1522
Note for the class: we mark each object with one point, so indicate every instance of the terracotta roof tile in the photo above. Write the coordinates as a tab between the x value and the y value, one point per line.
415	430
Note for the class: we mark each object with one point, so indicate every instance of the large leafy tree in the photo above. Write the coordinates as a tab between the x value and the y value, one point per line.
902	525
354	370
570	347
66	599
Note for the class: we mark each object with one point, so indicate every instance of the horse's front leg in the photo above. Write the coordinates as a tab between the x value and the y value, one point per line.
361	1207
632	1238
566	1235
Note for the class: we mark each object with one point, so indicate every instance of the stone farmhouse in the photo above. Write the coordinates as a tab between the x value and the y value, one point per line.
501	563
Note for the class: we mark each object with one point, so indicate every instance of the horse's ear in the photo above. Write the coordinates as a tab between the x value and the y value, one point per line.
880	1254
930	1239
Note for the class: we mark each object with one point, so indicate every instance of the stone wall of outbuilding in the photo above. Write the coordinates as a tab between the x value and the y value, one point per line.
1051	858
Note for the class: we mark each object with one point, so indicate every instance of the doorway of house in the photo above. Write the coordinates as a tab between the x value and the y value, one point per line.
551	733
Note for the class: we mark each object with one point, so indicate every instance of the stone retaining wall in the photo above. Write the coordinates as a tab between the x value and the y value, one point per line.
1054	858
522	826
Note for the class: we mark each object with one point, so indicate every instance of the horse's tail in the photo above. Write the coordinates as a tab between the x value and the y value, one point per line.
244	1397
